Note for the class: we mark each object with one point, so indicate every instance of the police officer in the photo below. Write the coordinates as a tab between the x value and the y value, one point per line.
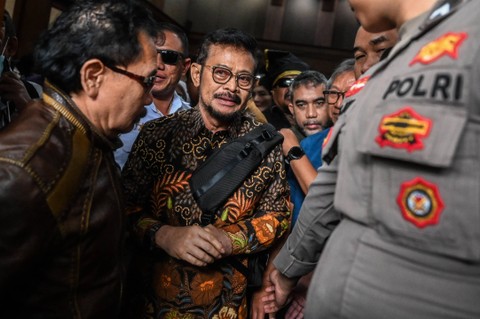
406	190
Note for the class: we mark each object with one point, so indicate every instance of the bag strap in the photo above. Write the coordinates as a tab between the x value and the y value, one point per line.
212	183
253	138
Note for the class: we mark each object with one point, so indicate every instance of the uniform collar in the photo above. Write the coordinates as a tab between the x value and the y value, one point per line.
440	11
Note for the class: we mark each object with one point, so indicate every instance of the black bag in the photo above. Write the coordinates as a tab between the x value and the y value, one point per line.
215	180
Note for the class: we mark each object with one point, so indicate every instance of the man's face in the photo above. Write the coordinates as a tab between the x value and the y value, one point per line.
279	91
168	74
221	103
309	108
122	99
369	47
337	91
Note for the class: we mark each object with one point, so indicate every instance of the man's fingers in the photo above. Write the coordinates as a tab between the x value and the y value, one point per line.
201	255
212	234
270	308
193	260
269	298
270	289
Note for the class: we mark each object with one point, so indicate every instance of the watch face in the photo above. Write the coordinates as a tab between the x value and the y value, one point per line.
294	153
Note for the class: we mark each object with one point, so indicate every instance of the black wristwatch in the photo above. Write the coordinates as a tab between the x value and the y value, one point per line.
150	236
294	153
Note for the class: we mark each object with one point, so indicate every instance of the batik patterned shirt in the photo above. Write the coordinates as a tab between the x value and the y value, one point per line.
156	179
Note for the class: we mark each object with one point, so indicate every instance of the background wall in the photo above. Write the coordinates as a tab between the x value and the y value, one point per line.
321	36
295	21
320	32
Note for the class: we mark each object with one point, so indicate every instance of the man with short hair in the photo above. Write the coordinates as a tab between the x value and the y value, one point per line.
369	48
310	112
192	269
62	221
342	78
172	63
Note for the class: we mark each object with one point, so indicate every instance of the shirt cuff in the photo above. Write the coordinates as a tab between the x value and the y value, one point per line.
289	266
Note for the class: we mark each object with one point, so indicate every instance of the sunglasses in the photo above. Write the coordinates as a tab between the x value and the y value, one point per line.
170	57
146	81
284	83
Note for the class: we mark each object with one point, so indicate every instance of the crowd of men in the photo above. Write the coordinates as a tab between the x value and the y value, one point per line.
139	182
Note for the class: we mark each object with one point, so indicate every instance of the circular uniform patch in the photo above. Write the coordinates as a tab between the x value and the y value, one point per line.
420	202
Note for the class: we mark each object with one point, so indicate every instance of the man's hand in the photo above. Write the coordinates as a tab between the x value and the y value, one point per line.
194	244
257	310
295	311
259	307
289	140
279	292
222	237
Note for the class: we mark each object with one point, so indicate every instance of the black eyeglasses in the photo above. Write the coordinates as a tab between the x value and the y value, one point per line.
283	83
170	57
222	75
333	96
146	81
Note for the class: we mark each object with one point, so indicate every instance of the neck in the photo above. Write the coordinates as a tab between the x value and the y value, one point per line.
163	104
212	124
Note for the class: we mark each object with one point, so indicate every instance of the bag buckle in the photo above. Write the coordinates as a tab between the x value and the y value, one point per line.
246	150
267	135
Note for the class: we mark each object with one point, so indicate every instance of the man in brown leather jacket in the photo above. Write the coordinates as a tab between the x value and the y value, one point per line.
62	219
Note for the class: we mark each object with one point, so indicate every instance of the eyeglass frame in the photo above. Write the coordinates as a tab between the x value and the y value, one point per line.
180	56
146	81
328	93
214	67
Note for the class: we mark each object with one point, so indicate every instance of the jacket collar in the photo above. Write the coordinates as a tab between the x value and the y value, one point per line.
62	103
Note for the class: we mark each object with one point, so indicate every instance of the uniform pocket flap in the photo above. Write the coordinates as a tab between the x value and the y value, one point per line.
428	137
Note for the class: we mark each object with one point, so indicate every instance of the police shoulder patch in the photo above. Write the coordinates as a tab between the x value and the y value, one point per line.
357	86
446	45
327	138
420	202
403	129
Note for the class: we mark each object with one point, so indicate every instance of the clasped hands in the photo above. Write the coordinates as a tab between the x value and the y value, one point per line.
194	244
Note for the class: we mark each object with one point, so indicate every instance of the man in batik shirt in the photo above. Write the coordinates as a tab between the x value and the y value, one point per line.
189	273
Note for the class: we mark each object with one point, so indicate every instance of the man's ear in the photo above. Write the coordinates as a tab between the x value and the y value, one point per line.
186	65
195	71
92	74
290	107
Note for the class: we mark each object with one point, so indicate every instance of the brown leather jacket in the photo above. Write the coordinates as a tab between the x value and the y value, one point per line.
61	220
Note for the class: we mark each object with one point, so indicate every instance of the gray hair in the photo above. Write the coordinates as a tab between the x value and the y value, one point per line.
345	66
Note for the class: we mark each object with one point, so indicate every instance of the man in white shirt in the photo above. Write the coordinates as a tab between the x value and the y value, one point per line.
172	63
